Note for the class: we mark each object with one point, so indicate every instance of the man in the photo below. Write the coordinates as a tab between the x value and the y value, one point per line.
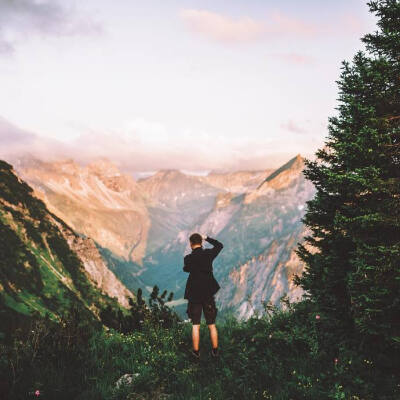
201	287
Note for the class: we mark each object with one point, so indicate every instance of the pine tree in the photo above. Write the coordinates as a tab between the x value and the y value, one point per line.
353	272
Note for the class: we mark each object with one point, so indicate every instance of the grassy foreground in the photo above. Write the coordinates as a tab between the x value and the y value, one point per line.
277	355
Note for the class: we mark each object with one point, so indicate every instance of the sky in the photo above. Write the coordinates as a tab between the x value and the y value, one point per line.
193	85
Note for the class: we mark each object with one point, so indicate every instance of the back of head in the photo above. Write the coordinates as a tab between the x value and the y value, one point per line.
195	238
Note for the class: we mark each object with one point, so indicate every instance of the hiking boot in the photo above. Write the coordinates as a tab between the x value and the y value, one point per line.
215	353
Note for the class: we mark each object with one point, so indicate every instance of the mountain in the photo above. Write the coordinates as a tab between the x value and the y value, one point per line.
260	230
176	202
256	214
44	265
282	178
97	201
236	182
172	188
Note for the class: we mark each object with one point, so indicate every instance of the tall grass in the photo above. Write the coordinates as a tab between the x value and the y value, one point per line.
277	355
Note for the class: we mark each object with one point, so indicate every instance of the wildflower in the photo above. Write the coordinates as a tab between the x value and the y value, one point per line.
336	360
37	393
317	316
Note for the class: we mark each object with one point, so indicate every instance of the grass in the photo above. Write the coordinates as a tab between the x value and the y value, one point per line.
277	356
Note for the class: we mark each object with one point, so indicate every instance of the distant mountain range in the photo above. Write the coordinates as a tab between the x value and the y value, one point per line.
259	227
141	228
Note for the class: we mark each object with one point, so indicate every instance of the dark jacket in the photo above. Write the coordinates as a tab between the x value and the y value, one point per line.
201	284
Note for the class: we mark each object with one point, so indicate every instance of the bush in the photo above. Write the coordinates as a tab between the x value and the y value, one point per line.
276	355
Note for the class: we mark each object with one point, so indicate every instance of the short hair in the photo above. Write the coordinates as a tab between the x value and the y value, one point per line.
195	238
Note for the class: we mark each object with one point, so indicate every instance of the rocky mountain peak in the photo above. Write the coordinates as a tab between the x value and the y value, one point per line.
67	166
282	178
169	174
295	165
103	167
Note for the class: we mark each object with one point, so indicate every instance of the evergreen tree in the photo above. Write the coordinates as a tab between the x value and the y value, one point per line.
353	271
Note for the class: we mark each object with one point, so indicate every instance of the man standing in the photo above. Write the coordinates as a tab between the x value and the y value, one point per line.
201	287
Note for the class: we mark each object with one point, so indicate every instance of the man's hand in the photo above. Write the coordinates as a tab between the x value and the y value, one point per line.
204	237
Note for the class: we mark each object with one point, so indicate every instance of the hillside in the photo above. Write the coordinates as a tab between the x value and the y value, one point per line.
44	265
97	201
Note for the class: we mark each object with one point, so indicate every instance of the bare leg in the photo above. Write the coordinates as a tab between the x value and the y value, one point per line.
213	335
196	336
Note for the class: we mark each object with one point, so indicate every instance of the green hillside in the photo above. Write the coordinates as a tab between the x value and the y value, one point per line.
38	270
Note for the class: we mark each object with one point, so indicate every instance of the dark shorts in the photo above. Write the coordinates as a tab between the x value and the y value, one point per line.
209	308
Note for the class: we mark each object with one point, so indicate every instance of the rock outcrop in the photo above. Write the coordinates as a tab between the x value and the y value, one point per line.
96	267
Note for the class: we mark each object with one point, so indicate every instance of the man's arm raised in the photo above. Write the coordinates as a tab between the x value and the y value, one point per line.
218	246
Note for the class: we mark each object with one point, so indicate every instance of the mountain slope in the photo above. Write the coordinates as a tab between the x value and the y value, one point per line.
260	230
175	202
236	182
44	265
97	201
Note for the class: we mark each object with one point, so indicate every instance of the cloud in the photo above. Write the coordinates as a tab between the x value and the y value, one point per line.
293	127
19	19
147	146
276	25
10	135
15	141
294	58
224	28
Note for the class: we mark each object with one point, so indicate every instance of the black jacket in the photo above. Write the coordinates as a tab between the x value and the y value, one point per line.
201	284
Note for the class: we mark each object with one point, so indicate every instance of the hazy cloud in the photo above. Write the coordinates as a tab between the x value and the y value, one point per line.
21	18
148	146
10	135
15	141
227	29
294	58
293	127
